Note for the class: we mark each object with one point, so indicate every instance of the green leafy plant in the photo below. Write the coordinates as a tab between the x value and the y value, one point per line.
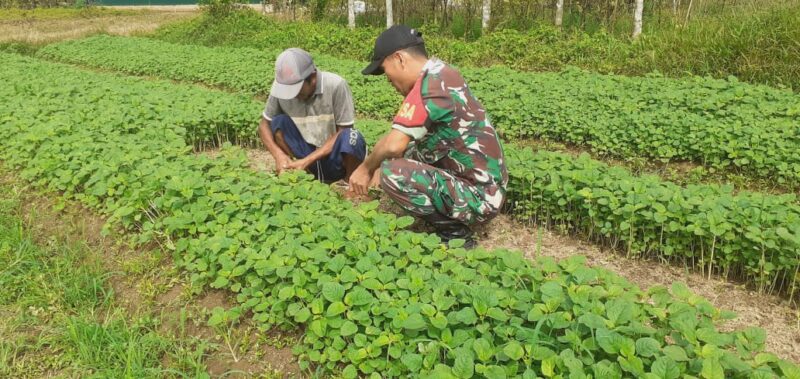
372	298
721	124
748	236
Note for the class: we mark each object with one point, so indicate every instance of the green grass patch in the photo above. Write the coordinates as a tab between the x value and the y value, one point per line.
59	313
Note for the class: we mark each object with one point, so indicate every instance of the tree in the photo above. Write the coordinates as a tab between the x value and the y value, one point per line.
389	16
637	18
559	12
487	13
351	14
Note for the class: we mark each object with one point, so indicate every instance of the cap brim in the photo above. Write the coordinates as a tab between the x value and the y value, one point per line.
374	68
285	91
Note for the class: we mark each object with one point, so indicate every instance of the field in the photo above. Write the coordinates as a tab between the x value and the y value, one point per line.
233	266
46	25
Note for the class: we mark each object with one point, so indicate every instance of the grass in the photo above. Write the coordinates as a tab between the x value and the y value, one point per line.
60	315
15	14
23	30
60	312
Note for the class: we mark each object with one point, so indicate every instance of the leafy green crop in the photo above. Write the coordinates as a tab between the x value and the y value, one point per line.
717	123
373	299
748	236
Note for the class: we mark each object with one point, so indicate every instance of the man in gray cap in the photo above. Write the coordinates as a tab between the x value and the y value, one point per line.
307	123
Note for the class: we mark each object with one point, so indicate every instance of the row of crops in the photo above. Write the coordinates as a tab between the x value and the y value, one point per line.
371	297
749	236
718	123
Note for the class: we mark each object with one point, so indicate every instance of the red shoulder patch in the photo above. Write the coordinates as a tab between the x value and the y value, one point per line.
412	112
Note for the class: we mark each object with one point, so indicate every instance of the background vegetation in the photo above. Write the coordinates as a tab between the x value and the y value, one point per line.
754	41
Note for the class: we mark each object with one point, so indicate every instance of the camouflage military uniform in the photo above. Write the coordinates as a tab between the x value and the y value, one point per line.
454	171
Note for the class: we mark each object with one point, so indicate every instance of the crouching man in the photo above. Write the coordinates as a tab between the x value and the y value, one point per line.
442	161
308	120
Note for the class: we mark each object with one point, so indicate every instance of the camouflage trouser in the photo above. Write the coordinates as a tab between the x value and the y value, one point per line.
434	194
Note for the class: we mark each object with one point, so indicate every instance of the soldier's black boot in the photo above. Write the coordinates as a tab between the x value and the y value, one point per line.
448	229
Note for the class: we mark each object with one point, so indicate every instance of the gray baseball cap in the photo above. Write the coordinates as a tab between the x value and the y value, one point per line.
291	68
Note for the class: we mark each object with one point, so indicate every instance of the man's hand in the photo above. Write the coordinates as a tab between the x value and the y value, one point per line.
282	164
375	182
300	164
360	180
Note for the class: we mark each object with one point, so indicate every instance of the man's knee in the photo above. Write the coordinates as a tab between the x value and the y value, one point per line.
279	122
351	141
393	178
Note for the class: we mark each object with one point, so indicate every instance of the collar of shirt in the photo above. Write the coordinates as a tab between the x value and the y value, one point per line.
320	78
430	64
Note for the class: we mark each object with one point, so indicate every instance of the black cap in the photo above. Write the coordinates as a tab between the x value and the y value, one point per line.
398	37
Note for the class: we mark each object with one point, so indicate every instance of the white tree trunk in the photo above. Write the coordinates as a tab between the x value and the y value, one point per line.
487	13
351	14
674	7
389	16
559	12
637	18
688	13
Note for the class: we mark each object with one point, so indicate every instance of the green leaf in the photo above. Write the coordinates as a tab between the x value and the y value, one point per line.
439	321
332	291
415	321
286	293
514	350
350	372
676	353
464	366
497	314
483	349
412	361
302	315
318	327
348	328
335	309
647	347
665	368
358	296
712	369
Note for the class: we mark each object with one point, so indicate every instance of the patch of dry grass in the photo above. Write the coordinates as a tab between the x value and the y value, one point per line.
38	28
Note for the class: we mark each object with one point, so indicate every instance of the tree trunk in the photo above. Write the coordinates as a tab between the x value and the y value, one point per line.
688	13
487	13
351	14
389	16
559	12
637	18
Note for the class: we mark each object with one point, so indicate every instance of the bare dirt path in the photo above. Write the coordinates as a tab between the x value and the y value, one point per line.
773	314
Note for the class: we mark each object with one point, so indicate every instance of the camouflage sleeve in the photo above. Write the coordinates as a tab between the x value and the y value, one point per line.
412	117
438	100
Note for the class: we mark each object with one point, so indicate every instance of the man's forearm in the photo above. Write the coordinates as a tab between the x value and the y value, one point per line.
324	150
392	145
265	133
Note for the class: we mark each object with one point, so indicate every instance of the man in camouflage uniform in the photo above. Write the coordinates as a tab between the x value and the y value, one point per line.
442	160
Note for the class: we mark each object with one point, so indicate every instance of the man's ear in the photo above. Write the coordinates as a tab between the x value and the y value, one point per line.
402	59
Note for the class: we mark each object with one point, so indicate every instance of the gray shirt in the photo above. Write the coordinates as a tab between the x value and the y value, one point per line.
317	117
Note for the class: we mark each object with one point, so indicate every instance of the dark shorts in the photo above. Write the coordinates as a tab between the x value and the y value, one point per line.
330	169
